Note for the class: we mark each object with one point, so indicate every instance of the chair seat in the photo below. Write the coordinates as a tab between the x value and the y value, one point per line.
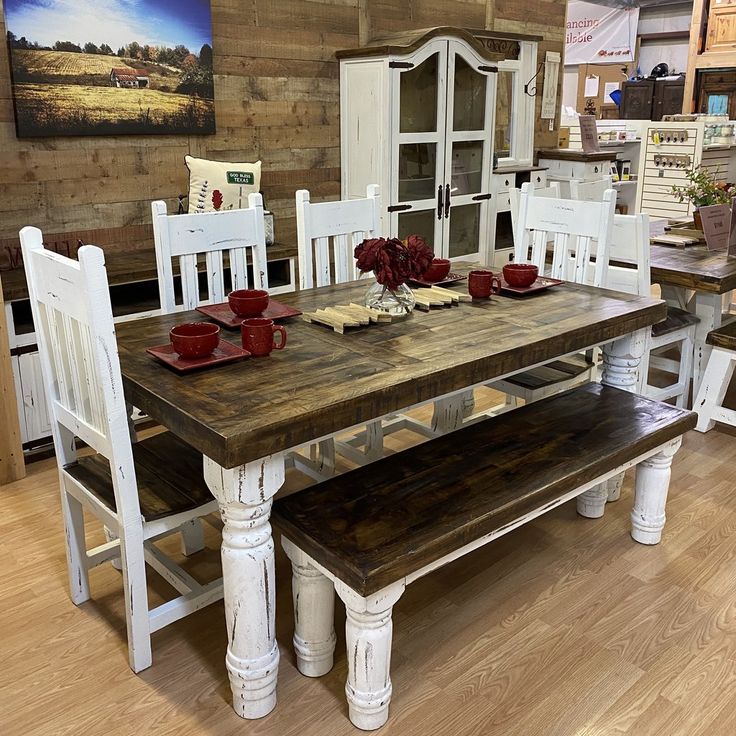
723	336
552	373
676	319
169	473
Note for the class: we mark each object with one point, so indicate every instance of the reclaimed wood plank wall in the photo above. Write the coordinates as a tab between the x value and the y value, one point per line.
277	99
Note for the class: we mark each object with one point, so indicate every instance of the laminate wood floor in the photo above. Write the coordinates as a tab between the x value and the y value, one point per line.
565	627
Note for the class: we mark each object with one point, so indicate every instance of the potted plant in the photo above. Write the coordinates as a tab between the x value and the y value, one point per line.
703	189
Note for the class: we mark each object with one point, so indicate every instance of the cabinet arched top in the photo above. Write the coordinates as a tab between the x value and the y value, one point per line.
486	44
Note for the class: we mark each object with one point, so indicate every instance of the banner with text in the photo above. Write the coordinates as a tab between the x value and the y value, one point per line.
598	34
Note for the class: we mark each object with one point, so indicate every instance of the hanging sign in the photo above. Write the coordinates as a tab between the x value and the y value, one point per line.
597	34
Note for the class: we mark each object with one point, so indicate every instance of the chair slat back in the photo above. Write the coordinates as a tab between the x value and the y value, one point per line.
72	314
630	246
551	191
578	231
328	232
590	191
209	234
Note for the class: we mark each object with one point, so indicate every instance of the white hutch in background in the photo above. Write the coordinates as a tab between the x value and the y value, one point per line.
419	113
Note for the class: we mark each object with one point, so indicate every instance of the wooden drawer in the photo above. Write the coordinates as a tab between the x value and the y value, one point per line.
503	202
503	182
538	179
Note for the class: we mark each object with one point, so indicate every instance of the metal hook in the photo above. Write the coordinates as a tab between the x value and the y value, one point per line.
527	91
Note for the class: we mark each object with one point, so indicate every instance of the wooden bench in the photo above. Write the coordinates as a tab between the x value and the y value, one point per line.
369	533
716	379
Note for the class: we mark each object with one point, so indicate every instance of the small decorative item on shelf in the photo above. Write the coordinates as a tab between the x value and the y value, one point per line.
703	189
393	263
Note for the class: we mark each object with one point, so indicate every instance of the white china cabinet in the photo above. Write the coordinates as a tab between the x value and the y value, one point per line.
417	117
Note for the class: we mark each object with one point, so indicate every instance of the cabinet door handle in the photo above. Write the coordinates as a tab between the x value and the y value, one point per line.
447	200
439	202
479	197
398	207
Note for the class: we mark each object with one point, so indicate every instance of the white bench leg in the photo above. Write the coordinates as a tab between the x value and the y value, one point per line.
614	488
368	633
592	503
313	595
192	537
652	485
713	387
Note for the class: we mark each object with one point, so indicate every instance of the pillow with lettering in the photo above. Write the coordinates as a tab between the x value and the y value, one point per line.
220	185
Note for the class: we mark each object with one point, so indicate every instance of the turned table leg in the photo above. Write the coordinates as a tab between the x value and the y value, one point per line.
621	360
245	495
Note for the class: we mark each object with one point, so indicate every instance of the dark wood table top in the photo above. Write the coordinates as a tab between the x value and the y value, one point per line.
128	267
693	268
324	382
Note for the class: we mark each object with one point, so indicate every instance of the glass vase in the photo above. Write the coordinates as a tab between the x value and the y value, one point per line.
396	302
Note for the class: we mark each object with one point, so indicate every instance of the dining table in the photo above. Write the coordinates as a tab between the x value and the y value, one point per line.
247	416
696	279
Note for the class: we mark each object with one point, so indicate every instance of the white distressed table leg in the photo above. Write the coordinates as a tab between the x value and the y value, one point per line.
368	633
652	485
713	387
708	310
448	413
245	494
374	440
621	361
313	595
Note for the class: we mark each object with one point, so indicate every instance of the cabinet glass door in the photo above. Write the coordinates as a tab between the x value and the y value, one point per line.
418	158
471	88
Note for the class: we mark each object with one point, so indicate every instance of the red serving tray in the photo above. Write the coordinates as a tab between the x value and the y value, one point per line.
227	318
225	352
451	278
540	284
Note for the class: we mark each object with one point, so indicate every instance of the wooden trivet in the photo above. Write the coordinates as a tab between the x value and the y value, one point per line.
436	296
346	315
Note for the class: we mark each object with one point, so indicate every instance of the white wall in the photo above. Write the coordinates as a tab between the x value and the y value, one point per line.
653	19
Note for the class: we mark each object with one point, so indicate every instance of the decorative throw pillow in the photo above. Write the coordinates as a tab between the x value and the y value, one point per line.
219	185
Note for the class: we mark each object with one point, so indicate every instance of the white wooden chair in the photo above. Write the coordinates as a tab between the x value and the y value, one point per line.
590	191
550	192
141	492
333	229
210	234
327	234
579	234
630	244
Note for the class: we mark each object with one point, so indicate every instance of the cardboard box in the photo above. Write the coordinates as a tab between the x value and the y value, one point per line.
564	138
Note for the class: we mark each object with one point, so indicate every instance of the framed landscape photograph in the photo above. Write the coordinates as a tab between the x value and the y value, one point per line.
111	67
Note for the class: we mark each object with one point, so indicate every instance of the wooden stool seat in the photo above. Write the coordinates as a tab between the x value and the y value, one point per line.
372	531
169	473
676	319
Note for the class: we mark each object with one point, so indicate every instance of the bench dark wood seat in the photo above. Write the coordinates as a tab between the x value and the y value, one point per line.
380	523
169	474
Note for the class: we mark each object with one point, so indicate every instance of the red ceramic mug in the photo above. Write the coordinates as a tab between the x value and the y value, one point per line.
258	335
481	284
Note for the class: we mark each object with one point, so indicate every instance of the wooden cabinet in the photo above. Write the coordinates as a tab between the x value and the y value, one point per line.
651	99
716	93
721	34
418	119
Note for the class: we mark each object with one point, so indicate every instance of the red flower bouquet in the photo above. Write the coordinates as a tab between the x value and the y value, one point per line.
394	261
